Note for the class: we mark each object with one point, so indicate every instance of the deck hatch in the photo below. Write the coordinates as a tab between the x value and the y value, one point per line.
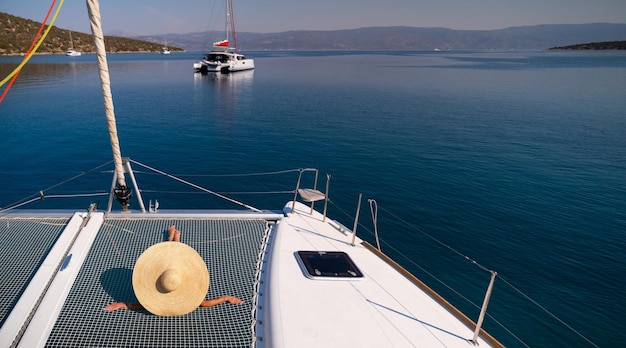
328	264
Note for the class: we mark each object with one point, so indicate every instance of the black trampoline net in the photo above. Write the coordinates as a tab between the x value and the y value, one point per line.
230	248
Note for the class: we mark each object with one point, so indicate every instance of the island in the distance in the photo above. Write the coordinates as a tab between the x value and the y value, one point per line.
605	45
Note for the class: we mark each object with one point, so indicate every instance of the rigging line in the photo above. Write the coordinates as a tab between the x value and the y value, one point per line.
95	194
438	241
27	57
548	312
499	276
224	175
210	26
256	192
17	205
198	187
508	330
40	192
391	247
435	277
42	197
223	193
416	264
244	174
32	44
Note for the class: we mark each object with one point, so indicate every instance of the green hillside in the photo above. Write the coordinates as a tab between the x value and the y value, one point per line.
16	35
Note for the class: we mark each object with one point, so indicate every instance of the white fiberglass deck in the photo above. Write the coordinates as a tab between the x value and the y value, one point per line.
383	309
86	262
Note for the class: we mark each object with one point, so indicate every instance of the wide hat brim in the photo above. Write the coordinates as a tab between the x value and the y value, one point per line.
170	278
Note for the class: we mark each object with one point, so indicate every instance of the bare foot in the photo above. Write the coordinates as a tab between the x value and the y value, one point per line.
173	234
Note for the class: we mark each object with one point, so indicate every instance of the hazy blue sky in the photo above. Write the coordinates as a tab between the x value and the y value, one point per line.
265	16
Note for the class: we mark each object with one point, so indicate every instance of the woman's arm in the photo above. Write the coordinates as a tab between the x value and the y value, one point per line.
216	301
121	305
205	303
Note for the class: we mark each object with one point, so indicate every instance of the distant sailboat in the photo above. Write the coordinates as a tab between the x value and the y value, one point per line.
70	51
165	49
224	57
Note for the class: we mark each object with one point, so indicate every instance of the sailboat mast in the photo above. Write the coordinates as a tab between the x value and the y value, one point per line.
231	19
122	191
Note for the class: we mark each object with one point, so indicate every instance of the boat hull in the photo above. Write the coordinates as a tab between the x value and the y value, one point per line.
223	62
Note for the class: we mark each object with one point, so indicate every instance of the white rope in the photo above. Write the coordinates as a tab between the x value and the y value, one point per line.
98	40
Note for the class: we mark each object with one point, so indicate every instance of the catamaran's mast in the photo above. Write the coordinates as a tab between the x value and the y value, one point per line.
122	192
230	17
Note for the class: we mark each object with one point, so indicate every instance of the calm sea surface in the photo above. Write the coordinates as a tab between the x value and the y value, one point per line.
516	160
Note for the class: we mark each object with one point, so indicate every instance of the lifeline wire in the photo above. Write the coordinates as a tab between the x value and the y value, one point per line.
484	269
39	195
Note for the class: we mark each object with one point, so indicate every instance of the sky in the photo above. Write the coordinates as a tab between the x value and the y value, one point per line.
152	17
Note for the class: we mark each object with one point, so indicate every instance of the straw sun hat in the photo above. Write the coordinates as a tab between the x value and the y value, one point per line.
170	278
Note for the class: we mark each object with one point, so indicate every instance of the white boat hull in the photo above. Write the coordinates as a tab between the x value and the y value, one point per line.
223	62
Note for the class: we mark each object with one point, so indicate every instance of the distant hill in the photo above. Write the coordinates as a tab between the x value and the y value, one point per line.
606	45
16	35
411	38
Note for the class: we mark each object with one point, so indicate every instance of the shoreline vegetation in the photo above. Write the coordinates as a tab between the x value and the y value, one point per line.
16	35
605	45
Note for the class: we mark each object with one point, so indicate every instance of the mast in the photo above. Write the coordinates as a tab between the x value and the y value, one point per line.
230	17
122	192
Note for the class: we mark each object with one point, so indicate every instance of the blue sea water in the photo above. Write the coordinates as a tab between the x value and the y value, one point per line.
513	159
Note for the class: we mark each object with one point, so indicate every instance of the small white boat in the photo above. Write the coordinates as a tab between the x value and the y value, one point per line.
71	52
165	49
223	57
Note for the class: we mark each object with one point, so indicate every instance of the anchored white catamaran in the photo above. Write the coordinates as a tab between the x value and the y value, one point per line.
306	280
223	57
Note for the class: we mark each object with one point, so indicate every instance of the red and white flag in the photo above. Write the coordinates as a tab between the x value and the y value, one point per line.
223	43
